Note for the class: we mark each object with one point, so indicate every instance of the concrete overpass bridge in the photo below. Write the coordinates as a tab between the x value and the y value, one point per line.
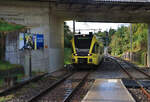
48	16
103	10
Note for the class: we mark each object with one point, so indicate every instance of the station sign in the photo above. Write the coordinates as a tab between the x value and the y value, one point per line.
40	41
30	40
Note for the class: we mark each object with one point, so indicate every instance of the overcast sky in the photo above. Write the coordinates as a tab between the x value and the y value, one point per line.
88	25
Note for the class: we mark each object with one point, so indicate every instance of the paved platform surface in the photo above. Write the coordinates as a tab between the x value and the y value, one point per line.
108	90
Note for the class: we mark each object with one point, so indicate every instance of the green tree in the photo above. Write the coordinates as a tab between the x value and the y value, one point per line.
68	36
105	38
120	42
67	44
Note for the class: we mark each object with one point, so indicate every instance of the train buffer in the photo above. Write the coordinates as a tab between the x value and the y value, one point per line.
108	90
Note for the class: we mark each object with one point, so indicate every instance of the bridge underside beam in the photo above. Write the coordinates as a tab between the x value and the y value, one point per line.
93	1
93	11
104	13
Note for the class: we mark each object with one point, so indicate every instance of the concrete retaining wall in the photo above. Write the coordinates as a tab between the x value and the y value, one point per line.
40	19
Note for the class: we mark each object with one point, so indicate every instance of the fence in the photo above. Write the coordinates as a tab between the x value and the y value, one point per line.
138	57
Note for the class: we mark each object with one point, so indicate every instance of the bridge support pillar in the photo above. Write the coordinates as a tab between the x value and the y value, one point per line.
41	19
148	48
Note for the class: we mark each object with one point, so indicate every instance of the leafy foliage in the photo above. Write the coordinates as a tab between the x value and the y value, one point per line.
68	36
67	54
5	26
121	39
4	65
106	38
120	42
67	43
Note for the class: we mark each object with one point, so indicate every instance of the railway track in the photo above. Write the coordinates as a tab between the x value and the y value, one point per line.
21	84
49	89
131	70
32	89
136	68
64	91
123	64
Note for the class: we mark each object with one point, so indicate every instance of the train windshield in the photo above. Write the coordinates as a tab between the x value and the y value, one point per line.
83	42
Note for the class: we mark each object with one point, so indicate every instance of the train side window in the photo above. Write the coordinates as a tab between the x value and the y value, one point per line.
72	49
101	50
95	48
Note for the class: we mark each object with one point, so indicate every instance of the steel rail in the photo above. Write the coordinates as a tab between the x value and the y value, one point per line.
146	74
53	85
135	67
67	99
128	73
130	64
21	84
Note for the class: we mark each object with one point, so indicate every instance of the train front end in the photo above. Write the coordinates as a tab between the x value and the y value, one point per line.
82	47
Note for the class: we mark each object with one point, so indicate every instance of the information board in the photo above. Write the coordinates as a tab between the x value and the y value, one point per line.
33	41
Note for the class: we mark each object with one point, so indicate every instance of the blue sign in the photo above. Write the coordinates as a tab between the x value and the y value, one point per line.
40	41
34	41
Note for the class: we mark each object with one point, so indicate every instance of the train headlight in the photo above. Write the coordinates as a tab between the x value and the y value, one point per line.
89	54
75	54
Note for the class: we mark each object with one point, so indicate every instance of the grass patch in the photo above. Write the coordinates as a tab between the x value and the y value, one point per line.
1	82
67	56
19	76
6	98
5	26
4	65
138	64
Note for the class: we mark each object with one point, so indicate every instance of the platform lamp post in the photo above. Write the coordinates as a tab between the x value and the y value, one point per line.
29	47
30	63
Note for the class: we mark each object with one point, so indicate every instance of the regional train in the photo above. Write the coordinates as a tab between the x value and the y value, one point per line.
86	50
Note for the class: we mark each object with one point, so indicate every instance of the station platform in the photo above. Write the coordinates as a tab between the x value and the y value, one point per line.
108	90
